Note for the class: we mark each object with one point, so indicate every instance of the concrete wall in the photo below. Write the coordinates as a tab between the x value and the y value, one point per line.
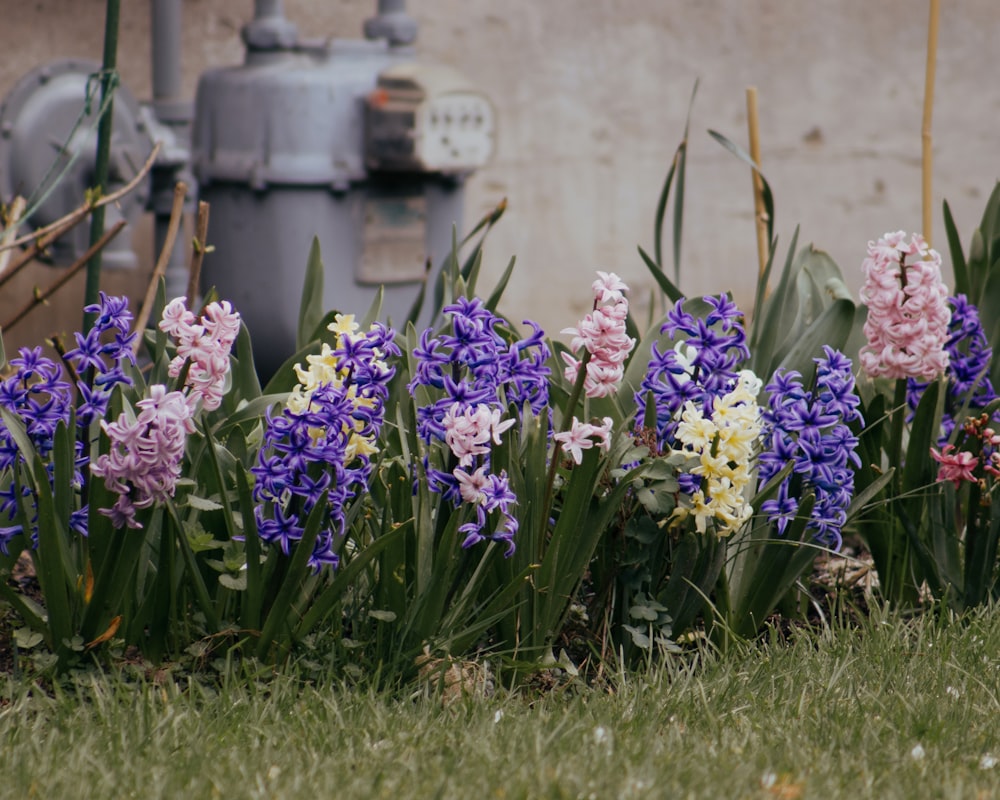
592	99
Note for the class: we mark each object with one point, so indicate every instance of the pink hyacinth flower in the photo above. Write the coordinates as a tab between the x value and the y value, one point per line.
144	462
469	431
603	334
955	467
204	345
581	436
908	313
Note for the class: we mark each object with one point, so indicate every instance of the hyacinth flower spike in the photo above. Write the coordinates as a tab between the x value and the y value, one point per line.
907	328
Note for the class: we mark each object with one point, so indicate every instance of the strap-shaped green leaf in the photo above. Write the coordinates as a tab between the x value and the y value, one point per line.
311	307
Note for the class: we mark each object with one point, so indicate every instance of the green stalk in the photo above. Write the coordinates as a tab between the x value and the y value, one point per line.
896	433
567	421
897	544
108	78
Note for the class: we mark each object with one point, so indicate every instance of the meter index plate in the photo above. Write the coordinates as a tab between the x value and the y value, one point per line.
394	240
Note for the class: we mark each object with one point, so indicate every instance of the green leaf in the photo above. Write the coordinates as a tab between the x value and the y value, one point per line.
254	600
245	380
193	572
831	328
203	503
741	154
500	288
27	638
958	265
661	210
666	286
311	307
54	565
924	432
679	195
298	566
374	310
238	583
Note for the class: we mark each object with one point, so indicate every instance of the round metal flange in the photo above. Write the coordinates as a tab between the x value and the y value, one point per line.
48	137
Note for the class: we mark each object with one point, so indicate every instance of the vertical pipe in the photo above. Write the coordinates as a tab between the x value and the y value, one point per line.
108	82
392	23
173	111
268	8
166	51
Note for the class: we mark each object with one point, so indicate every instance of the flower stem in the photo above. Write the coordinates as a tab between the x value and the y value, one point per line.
567	422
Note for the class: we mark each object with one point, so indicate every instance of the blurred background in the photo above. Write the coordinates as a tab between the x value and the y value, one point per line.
591	101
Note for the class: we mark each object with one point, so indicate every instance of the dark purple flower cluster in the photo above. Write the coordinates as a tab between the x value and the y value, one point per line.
474	364
968	372
476	375
100	356
702	366
809	429
37	392
322	441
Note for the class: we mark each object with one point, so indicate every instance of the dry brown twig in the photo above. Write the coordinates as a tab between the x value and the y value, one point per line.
13	217
40	296
176	216
60	226
199	249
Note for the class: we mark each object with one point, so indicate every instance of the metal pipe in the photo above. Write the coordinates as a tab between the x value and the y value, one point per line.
268	8
391	22
166	53
174	111
269	30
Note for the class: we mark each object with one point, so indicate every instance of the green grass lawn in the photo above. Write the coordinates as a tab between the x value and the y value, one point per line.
895	709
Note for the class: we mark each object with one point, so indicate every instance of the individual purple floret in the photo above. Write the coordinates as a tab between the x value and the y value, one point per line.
810	430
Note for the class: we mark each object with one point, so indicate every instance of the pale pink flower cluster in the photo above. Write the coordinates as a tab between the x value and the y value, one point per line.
144	462
582	436
204	344
603	334
955	467
960	465
908	313
469	431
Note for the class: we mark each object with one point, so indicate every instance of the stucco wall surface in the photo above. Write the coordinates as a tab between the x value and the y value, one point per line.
592	97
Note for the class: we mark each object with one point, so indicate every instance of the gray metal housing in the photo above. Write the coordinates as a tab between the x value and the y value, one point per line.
278	151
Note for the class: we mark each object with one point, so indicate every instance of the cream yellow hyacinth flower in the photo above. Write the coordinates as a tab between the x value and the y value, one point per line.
725	446
325	368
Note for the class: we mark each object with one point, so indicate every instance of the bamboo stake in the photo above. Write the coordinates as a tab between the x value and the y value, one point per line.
41	295
200	248
176	215
102	161
760	215
926	138
13	217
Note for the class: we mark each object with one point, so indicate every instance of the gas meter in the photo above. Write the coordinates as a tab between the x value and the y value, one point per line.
427	118
349	141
